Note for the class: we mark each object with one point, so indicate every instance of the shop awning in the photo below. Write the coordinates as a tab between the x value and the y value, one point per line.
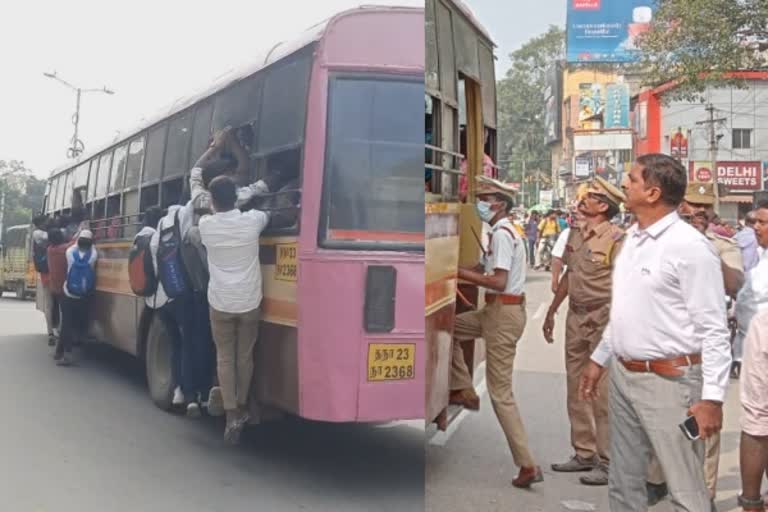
737	198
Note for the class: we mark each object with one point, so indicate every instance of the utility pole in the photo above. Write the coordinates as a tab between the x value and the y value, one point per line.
2	207
713	150
522	185
77	145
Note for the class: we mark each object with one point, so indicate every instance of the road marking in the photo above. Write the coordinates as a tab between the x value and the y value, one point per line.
441	438
540	311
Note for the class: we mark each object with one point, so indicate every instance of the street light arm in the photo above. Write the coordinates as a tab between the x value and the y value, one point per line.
56	77
102	89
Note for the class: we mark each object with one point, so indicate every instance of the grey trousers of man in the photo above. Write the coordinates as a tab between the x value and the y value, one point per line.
646	410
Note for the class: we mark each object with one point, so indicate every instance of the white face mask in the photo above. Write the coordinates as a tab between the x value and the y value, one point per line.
484	211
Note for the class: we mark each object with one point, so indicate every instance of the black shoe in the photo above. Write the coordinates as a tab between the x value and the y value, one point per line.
656	492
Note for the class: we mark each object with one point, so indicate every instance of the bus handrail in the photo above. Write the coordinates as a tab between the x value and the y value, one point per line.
442	150
443	169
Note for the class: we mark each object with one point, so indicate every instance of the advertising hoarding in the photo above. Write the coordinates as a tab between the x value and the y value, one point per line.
616	113
606	30
553	99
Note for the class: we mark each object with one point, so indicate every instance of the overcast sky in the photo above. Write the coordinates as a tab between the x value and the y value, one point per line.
513	22
148	52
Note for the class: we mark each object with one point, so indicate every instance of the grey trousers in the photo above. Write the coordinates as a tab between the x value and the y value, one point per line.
645	411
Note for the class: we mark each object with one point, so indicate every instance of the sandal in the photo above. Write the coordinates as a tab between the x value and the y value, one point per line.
751	504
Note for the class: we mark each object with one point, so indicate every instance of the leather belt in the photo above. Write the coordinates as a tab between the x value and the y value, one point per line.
507	300
663	367
582	309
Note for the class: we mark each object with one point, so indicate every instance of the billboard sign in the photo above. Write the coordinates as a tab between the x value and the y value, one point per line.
591	103
553	103
616	114
678	145
736	176
606	30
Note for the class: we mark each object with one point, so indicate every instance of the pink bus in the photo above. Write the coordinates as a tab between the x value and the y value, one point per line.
342	337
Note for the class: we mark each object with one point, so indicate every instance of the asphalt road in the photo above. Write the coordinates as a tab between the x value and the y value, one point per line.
88	438
470	468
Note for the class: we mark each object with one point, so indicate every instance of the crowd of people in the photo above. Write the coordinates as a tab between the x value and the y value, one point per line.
196	264
648	350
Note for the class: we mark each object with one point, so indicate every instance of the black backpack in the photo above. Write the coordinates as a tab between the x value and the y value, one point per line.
195	259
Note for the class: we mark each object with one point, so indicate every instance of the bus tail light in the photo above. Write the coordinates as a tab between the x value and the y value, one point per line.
380	288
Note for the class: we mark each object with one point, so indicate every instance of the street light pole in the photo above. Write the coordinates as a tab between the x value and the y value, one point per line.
77	145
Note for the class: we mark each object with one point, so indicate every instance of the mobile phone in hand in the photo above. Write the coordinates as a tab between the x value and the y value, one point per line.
690	428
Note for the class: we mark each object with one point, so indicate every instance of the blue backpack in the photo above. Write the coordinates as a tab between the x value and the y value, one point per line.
170	265
81	278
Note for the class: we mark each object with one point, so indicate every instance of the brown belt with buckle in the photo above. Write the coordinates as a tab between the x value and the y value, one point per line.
583	309
507	300
663	367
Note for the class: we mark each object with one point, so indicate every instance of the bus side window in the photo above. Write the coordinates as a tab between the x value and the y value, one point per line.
150	196
284	205
172	192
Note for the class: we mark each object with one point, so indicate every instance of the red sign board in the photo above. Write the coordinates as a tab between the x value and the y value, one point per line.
586	5
744	176
679	146
704	174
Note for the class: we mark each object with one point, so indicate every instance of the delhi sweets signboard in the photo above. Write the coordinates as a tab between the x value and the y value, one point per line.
736	176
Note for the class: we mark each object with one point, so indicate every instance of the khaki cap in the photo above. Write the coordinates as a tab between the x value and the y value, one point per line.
607	190
700	193
486	185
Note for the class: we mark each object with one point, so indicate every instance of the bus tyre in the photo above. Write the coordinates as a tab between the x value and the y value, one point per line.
158	364
21	291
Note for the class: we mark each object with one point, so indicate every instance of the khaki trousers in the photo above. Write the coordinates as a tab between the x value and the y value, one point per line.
590	428
235	336
501	326
711	465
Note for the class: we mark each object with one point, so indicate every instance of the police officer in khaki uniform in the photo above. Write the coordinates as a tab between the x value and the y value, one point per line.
698	208
589	255
500	323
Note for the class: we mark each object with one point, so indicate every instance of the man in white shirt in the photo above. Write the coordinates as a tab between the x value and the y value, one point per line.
74	305
501	323
752	310
667	342
231	238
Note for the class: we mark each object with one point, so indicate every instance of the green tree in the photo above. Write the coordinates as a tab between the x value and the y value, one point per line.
521	103
23	193
697	42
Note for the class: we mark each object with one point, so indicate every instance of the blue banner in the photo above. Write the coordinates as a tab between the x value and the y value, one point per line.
606	30
616	113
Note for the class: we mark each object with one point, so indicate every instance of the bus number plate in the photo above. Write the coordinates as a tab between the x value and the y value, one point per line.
286	262
391	361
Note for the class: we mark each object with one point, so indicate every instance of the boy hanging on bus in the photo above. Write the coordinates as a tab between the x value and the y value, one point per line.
40	258
78	288
231	238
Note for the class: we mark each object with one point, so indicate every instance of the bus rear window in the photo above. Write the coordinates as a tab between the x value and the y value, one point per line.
374	195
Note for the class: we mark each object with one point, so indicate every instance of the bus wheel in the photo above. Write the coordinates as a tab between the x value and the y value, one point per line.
158	364
21	291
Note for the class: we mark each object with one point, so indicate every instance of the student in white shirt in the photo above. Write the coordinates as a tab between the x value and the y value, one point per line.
667	342
231	238
752	309
74	307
